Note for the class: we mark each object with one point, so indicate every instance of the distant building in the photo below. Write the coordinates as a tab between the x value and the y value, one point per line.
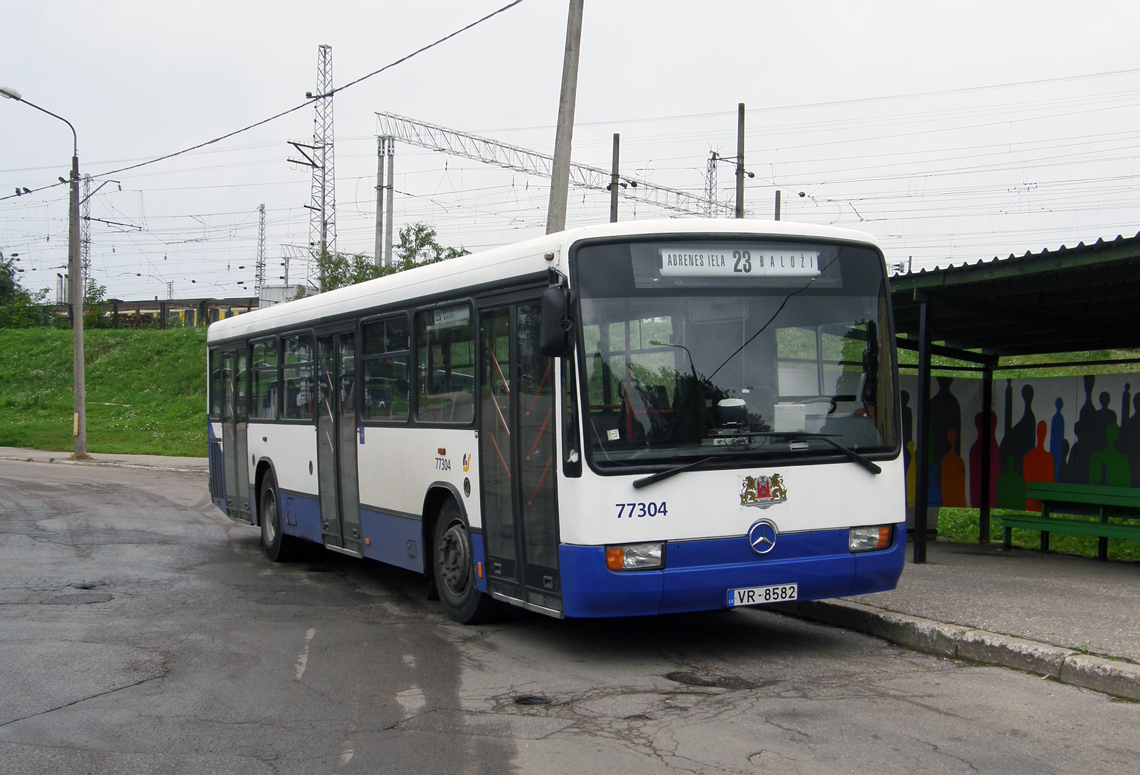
277	294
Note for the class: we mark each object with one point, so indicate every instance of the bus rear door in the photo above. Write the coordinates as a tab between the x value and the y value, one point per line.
336	442
517	459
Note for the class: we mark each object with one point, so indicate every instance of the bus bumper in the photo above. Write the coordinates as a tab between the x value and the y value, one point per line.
698	574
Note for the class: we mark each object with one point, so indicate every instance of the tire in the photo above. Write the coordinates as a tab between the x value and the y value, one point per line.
278	546
454	569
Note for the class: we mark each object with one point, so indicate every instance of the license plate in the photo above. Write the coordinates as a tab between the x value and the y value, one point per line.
777	593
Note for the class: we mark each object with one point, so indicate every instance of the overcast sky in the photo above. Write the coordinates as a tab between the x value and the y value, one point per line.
951	131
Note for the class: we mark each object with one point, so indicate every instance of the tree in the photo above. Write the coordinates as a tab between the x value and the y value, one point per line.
418	246
337	270
18	307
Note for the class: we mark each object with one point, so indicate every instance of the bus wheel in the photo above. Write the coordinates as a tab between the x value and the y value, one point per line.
278	546
454	568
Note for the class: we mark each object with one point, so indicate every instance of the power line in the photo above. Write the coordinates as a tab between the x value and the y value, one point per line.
295	108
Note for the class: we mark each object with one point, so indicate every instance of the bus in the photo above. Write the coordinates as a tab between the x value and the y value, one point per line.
616	420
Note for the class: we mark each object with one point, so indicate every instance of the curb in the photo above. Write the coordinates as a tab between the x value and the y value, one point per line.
101	463
1110	676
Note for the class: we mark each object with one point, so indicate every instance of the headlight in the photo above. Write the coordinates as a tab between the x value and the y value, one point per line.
870	539
635	556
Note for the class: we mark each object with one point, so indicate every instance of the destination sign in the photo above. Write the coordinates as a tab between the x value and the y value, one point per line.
757	261
450	317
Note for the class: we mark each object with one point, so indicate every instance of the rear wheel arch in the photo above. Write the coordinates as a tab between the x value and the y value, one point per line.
264	467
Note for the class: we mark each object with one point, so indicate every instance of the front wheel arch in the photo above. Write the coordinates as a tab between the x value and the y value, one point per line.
453	567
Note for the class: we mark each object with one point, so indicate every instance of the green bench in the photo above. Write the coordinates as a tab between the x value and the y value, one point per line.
1108	501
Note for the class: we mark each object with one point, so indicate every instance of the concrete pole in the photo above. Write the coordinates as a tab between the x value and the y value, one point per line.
75	275
777	204
740	160
560	172
614	180
389	191
75	280
379	253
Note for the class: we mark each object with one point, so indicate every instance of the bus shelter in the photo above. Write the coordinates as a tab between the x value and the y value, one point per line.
1067	303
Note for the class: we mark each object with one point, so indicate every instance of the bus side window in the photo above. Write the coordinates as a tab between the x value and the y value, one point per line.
385	353
445	346
297	377
263	368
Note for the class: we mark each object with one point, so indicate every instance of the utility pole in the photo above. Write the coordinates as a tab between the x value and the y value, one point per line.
75	292
614	185
259	275
381	143
777	204
740	160
391	150
560	173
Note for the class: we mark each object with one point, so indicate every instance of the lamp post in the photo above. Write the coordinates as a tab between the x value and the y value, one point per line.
75	282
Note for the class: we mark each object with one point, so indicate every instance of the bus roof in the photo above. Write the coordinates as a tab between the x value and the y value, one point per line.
495	266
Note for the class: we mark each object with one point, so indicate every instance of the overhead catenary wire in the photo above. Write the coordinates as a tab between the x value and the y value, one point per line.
304	104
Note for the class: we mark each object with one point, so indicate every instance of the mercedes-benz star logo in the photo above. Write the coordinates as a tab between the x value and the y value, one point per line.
762	536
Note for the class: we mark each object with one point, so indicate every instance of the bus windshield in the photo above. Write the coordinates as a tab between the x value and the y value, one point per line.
742	349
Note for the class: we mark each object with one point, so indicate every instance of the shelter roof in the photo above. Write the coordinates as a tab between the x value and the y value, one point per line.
1068	300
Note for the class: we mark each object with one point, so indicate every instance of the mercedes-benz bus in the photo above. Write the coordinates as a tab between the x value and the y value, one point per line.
616	420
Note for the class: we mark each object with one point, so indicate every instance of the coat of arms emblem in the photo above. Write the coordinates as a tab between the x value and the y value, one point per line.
763	491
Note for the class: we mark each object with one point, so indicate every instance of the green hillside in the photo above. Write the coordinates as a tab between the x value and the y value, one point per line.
146	390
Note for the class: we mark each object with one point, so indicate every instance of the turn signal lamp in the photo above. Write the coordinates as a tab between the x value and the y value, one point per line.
635	556
869	539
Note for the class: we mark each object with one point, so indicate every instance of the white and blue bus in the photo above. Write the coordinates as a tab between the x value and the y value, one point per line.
617	420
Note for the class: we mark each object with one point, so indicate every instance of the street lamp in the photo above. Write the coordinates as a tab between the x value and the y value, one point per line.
75	287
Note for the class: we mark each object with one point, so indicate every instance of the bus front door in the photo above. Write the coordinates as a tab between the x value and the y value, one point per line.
233	435
517	459
336	442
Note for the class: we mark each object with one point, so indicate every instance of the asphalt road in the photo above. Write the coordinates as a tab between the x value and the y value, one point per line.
142	631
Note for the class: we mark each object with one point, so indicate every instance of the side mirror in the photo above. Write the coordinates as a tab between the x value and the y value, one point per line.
555	332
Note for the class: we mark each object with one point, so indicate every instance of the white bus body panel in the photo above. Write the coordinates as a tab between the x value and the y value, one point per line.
396	466
706	504
292	449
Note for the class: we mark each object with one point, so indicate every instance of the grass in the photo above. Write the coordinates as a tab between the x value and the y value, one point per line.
961	525
146	390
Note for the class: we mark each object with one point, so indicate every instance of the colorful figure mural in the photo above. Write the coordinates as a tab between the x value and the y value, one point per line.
976	461
1038	465
953	474
1100	445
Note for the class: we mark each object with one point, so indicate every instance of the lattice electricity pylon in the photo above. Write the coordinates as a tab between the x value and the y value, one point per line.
319	156
85	232
259	267
710	182
468	146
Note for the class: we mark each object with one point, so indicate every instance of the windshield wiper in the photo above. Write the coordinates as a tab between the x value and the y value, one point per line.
657	477
851	454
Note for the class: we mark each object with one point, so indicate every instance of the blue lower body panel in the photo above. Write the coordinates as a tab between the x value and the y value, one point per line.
392	539
698	574
880	571
477	550
301	516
